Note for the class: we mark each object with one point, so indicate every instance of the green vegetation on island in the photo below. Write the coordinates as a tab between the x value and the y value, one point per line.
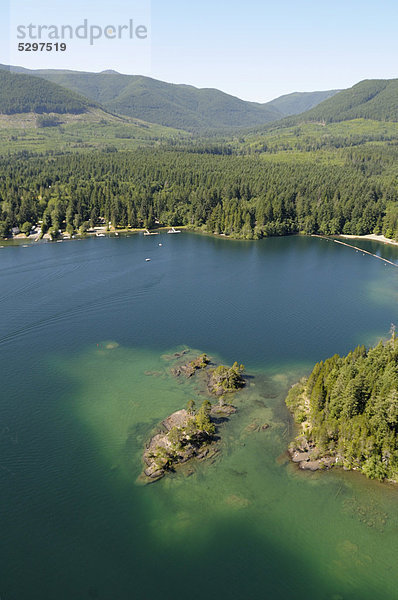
188	433
226	379
200	362
348	412
191	432
220	380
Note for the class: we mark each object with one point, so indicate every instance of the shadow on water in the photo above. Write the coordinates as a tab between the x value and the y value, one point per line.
77	526
74	418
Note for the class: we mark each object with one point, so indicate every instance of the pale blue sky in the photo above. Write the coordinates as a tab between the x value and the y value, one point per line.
254	49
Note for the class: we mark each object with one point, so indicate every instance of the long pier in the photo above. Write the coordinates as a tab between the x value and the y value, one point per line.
357	249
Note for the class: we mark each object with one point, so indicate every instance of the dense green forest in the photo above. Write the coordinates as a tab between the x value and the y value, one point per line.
348	408
312	178
23	93
246	197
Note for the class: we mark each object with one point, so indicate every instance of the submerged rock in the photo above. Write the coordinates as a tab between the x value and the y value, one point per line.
237	501
255	427
223	409
299	457
311	465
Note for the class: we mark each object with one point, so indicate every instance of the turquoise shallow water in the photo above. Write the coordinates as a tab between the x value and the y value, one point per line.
84	328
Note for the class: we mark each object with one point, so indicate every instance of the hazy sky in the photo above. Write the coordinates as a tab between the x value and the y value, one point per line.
254	49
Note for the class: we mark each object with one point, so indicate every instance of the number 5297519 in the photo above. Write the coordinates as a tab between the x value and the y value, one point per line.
41	47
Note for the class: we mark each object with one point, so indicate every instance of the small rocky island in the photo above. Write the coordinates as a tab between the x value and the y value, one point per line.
221	380
193	432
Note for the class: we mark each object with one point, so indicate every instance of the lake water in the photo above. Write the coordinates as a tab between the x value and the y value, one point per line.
84	330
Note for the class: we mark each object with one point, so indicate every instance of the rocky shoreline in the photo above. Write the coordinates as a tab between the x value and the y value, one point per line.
307	456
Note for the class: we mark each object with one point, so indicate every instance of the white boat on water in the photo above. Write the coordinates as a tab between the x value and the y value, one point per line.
100	235
147	260
147	232
172	230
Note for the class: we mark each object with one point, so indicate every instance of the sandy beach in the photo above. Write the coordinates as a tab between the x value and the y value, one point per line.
371	236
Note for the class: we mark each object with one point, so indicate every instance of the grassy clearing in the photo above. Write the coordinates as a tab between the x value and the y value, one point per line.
95	130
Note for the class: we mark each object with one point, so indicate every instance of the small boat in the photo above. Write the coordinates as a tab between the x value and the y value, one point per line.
160	244
172	230
100	235
147	232
147	260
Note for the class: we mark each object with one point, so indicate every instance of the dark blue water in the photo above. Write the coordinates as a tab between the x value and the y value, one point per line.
74	415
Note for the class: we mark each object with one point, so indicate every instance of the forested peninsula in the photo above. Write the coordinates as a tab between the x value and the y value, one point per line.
348	412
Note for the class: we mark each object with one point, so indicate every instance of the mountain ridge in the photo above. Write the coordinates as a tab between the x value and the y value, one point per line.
174	105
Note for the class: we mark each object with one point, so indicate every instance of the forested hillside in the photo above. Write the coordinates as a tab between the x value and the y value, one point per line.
179	106
348	408
240	196
298	102
375	99
24	93
174	105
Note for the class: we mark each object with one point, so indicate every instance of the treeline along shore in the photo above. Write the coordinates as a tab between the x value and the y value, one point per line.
246	197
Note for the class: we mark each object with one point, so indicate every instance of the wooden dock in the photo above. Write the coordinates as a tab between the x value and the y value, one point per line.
357	249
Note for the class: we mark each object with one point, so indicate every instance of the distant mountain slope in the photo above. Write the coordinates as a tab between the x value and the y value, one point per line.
375	99
298	102
175	105
23	94
188	107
